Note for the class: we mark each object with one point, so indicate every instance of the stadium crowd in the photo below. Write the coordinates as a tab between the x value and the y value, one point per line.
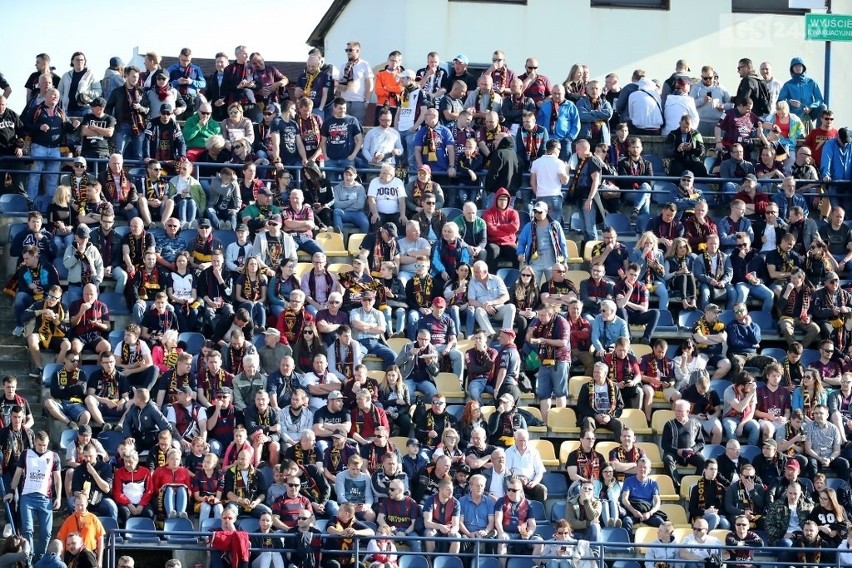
252	379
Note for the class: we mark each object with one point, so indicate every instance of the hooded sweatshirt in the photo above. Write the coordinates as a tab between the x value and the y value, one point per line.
801	88
503	224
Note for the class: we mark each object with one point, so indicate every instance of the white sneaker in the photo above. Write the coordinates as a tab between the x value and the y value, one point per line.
193	224
184	226
226	226
18	331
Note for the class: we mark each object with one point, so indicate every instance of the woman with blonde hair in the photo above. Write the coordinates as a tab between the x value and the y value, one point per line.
649	257
236	126
250	291
449	447
679	275
61	218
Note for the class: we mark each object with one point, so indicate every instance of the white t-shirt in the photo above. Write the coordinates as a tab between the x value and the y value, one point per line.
547	170
387	195
356	90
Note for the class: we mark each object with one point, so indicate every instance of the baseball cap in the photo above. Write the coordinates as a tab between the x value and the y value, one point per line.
772	443
166	107
264	191
507	397
335	395
350	169
272	331
242	227
510	332
687	174
276	219
116	62
224	390
80	160
408	74
462	58
338	433
185	389
425	168
82	231
540	206
98	102
412	442
830	276
712	308
205	223
439	301
390	228
85	429
793	464
464	468
750	177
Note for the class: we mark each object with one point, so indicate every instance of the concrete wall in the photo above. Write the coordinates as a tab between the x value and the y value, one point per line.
704	33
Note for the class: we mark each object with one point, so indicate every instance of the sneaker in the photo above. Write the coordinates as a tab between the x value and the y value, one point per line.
36	373
634	215
106	427
18	331
183	515
226	226
184	226
173	514
193	225
616	523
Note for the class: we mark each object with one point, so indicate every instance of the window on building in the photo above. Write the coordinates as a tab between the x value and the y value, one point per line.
765	7
524	2
647	4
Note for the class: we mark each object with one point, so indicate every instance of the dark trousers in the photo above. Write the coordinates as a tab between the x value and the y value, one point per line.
648	318
671	461
497	252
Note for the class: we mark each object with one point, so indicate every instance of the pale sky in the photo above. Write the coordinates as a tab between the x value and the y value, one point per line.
276	28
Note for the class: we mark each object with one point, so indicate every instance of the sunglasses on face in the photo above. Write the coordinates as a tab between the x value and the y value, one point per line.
204	113
79	165
233	112
294	485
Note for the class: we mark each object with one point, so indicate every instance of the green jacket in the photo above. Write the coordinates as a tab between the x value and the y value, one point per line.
195	191
778	517
195	134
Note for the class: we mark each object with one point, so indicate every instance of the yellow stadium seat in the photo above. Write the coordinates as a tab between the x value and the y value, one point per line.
575	384
302	268
681	533
487	411
397	343
652	451
603	447
686	483
547	452
535	411
667	488
675	513
464	344
338	267
634	418
376	375
640	349
448	385
562	421
566	448
659	419
587	250
354	245
577	276
331	243
645	535
721	534
572	253
399	443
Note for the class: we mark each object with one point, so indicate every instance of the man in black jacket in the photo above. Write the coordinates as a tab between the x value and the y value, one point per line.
682	442
504	169
12	146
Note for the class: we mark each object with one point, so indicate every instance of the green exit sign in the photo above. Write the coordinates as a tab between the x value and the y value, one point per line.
828	27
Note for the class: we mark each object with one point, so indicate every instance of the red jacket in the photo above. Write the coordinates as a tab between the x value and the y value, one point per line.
164	476
503	225
122	476
234	542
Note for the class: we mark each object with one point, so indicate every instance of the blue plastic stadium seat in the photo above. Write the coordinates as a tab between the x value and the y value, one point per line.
115	302
620	222
194	341
686	319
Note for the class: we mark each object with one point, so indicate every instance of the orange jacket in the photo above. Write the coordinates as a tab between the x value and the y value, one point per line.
388	88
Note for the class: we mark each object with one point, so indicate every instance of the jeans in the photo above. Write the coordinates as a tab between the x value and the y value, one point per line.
187	209
609	510
552	381
554	206
268	559
389	313
476	387
641	199
62	242
335	167
455	314
410	323
357	109
36	506
751	429
706	295
126	143
716	521
408	144
357	218
257	311
310	246
216	220
210	511
759	291
51	178
120	277
379	349
175	498
427	388
255	512
662	294
22	302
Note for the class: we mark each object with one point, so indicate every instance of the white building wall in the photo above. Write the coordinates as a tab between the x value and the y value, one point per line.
563	32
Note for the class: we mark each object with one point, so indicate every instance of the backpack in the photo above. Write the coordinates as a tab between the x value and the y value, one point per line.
764	97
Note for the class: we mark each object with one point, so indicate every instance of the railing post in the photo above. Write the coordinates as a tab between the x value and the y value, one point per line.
601	561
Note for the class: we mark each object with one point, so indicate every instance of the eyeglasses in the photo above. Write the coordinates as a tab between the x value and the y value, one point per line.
308	332
428	203
233	112
526	275
49	297
156	169
513	490
706	78
294	485
73	360
740	311
699	529
742	524
748	477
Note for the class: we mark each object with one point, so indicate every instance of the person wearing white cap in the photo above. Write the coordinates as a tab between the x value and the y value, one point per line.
541	229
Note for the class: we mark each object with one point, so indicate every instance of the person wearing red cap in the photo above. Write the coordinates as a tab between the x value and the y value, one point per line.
443	333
